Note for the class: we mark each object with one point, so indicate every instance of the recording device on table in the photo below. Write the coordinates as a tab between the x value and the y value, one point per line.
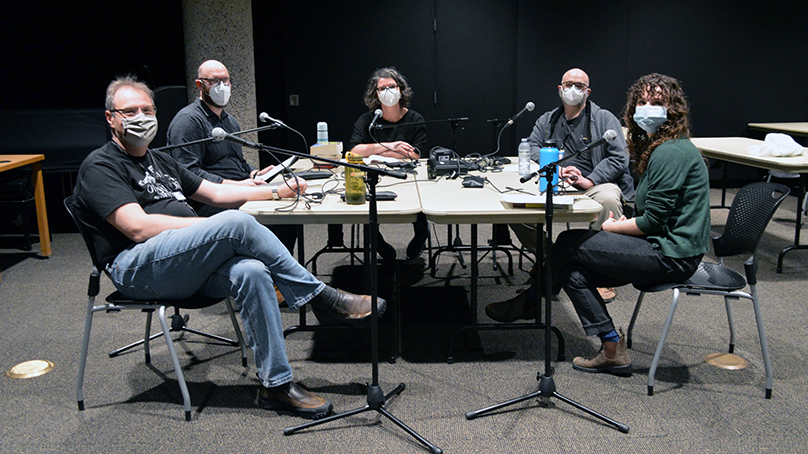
380	196
443	161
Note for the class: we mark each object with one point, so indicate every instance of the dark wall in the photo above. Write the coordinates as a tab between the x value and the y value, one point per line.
61	55
740	62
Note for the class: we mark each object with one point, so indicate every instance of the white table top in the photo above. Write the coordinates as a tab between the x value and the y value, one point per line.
443	201
448	202
796	128
333	210
735	149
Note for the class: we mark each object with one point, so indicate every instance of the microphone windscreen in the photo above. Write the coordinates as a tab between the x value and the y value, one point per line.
530	106
609	135
264	117
378	113
218	133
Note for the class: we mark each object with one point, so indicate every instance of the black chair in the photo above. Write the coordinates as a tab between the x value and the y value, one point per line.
116	302
750	213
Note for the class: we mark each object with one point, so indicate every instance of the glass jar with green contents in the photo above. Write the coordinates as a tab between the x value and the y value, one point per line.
355	191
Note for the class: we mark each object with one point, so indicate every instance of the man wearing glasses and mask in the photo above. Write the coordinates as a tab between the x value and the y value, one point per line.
603	173
215	161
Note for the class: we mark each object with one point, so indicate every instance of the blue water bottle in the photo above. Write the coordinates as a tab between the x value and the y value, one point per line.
548	154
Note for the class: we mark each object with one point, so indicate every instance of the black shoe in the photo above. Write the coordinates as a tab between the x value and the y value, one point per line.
516	308
418	241
386	252
334	306
291	397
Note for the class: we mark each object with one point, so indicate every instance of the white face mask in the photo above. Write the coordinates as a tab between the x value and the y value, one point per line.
139	131
220	94
649	118
390	96
572	96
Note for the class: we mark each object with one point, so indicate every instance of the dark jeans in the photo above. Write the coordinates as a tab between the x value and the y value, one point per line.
584	260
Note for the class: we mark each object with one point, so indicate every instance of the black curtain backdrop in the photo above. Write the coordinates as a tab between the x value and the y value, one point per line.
740	62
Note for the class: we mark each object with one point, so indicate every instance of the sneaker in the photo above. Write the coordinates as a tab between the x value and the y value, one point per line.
292	398
619	365
334	306
516	308
608	294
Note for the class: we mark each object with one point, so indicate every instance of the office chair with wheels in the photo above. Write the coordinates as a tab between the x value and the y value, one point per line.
116	302
750	213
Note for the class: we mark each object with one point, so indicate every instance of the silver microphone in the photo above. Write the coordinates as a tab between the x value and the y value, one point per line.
376	116
528	107
265	118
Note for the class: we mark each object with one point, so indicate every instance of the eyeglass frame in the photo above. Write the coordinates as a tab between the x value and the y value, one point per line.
134	111
579	85
208	81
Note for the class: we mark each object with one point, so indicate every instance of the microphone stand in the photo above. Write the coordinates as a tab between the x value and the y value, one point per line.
208	139
547	387
375	397
454	122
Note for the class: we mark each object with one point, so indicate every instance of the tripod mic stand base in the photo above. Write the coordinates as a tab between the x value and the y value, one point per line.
547	390
376	399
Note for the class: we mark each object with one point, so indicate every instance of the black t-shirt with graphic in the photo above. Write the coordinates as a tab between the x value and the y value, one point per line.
110	178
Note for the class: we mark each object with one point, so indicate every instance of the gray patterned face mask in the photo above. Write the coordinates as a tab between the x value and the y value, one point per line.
139	131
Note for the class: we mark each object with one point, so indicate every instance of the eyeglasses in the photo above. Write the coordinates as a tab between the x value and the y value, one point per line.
130	112
216	80
578	85
391	87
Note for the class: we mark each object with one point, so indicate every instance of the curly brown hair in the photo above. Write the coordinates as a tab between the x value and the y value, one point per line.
372	97
669	92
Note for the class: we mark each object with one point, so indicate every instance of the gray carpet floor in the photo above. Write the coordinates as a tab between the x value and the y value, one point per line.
134	407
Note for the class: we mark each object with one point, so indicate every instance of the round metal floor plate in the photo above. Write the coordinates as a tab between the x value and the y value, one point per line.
726	361
28	369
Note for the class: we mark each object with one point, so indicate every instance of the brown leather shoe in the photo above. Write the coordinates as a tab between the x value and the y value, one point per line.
608	294
334	306
514	309
291	397
619	365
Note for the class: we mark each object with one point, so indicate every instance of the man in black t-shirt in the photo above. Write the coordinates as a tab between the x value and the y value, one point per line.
153	245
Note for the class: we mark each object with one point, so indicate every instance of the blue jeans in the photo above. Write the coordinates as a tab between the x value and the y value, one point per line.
228	254
584	260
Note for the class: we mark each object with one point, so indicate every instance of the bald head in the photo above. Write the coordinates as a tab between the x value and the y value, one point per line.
575	75
212	69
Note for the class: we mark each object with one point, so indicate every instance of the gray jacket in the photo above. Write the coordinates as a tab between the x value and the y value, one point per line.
610	161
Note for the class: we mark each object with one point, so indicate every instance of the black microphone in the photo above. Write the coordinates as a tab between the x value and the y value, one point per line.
608	137
529	107
220	134
265	118
376	116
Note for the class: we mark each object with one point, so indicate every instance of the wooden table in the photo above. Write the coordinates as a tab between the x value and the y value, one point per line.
794	128
12	161
735	149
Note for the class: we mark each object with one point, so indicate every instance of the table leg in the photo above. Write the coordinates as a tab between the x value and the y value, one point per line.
41	210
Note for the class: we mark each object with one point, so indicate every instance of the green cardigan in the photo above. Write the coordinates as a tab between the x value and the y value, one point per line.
673	200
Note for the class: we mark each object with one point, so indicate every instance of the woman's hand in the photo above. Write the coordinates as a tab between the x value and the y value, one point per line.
400	149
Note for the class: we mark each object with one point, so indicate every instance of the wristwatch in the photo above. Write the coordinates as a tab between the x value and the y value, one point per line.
275	195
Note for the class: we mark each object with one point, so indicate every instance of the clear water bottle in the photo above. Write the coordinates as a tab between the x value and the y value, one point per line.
322	132
524	158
